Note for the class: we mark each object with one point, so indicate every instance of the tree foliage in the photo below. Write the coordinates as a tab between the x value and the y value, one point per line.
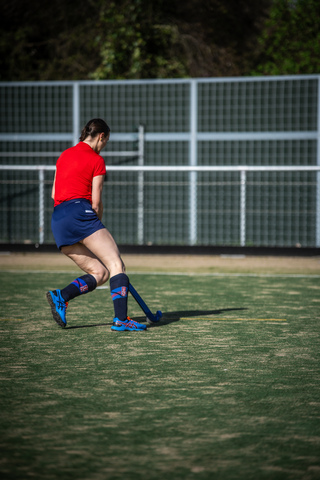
150	39
132	42
124	39
47	40
290	42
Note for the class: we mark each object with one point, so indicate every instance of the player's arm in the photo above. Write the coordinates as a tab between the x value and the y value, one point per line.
53	186
97	186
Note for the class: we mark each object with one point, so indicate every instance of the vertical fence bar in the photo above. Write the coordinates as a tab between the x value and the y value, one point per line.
41	206
243	187
141	186
193	227
318	175
76	113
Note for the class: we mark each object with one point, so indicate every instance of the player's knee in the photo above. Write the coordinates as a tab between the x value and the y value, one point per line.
116	266
102	275
120	266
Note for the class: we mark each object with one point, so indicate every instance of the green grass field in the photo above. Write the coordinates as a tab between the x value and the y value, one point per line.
227	386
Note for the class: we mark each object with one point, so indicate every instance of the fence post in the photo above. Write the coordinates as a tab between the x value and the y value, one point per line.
76	111
193	161
243	187
318	175
41	206
141	186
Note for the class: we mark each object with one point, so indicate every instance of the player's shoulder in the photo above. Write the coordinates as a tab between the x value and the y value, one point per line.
74	150
68	151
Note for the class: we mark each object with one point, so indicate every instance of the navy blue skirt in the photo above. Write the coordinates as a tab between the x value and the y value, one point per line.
73	221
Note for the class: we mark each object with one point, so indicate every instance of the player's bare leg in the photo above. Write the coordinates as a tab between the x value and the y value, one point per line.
98	256
103	246
87	261
97	274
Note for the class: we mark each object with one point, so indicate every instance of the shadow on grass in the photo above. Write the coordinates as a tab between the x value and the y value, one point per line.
171	317
89	326
168	317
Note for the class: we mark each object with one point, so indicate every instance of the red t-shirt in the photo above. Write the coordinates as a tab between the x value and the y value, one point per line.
75	170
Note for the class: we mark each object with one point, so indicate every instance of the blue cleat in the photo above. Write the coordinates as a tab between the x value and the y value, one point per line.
58	307
128	325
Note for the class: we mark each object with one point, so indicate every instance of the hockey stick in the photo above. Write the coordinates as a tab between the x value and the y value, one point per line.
153	318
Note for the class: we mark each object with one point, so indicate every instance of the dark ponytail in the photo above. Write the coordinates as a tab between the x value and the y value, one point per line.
93	128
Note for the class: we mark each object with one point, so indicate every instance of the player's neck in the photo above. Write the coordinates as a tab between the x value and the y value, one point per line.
93	143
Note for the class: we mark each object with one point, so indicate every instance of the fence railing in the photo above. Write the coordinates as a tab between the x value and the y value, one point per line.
172	184
140	170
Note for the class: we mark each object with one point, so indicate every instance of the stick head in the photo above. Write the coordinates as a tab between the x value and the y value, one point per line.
154	318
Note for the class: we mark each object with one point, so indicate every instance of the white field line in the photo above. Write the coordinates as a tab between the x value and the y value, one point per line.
196	274
183	274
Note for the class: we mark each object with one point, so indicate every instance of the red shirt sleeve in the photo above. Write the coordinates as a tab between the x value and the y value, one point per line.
100	167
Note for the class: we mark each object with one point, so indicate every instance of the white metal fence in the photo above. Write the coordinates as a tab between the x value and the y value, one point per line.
219	161
239	208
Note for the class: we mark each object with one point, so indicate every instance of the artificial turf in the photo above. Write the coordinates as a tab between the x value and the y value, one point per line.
226	386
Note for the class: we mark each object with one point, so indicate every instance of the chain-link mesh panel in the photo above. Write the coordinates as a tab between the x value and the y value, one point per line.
258	106
36	108
260	152
19	212
205	122
161	107
281	208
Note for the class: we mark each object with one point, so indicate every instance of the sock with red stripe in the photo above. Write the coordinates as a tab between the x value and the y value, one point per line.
119	286
79	286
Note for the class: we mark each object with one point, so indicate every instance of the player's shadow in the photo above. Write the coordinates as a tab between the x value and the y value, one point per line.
88	326
171	317
168	317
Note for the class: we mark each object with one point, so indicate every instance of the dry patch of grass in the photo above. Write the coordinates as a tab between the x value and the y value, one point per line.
172	263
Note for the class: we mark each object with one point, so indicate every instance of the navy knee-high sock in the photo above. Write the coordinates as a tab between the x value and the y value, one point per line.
79	286
119	286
